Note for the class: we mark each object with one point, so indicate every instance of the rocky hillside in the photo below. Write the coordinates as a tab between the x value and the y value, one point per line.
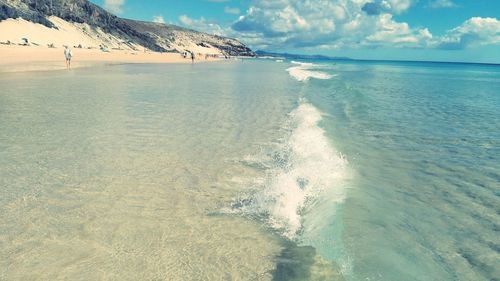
175	38
153	36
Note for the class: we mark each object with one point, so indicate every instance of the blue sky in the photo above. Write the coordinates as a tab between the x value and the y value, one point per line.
444	30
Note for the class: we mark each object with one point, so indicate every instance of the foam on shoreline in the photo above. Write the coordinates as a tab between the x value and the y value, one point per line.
298	171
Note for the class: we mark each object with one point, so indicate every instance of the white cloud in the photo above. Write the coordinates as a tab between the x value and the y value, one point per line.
202	24
475	31
185	20
398	6
438	4
158	19
232	11
327	23
391	33
335	24
114	6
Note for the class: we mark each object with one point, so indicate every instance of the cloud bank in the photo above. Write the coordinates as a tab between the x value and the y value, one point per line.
329	24
338	24
474	32
334	24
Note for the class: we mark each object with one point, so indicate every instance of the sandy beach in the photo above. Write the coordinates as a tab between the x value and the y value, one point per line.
30	58
84	42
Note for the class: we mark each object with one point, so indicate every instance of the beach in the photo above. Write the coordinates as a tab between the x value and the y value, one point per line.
30	58
339	140
27	46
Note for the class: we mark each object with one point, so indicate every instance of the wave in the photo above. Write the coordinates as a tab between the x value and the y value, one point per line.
302	72
298	170
305	64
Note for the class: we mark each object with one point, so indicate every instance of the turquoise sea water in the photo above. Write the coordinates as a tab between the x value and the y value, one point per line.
423	141
251	170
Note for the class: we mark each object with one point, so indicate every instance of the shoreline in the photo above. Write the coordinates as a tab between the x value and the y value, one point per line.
16	58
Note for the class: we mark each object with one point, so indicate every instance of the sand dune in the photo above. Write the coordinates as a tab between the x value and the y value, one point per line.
71	34
38	56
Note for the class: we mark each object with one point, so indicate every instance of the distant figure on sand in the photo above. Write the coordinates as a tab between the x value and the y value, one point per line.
68	55
192	57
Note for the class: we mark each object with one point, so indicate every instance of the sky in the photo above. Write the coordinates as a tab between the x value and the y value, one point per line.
435	30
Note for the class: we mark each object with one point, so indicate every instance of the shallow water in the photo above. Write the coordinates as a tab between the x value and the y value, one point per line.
115	173
251	170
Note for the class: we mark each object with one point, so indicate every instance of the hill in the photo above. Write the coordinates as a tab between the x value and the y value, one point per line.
100	26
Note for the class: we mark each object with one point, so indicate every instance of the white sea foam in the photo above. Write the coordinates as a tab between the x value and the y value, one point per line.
305	64
303	72
302	168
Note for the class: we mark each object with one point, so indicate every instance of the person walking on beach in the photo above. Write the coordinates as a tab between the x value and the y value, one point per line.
68	55
192	57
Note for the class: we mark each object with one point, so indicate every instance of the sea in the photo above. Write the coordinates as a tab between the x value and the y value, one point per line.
251	170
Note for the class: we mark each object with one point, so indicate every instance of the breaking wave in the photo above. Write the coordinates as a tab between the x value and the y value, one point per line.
302	72
298	170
